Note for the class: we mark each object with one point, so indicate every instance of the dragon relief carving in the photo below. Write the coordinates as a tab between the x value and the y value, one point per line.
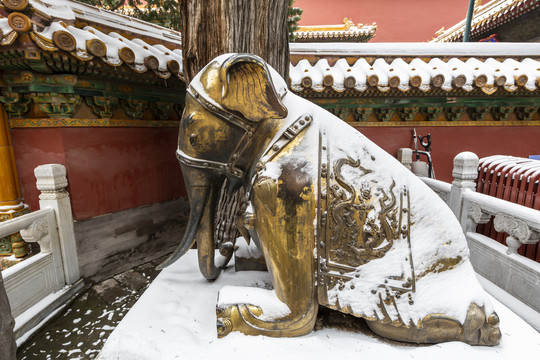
364	222
357	237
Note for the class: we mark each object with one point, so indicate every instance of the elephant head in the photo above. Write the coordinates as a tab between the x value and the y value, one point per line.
232	107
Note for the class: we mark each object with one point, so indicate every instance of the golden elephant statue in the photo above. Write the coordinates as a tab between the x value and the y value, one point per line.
339	221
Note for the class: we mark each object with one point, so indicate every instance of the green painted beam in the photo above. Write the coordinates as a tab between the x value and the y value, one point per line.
382	102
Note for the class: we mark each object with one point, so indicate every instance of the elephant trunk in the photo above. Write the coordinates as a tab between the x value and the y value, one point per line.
200	227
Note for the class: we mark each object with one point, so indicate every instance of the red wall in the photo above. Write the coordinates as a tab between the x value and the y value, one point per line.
397	20
111	169
447	142
108	169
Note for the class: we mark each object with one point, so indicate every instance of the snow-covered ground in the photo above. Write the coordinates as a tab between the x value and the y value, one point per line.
175	319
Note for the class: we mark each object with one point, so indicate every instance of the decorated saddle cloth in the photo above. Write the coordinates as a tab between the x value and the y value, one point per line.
387	248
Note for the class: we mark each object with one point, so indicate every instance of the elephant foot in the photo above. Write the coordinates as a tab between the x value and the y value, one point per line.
269	319
437	328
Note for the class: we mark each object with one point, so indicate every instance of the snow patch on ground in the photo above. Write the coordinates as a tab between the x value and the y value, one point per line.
175	318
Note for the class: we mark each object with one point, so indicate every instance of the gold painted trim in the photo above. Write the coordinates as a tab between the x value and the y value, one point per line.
345	27
67	122
43	42
443	123
9	38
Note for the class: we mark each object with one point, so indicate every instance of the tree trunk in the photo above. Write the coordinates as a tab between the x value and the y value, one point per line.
214	27
8	347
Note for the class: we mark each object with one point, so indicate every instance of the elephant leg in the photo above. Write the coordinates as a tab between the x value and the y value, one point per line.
477	329
284	228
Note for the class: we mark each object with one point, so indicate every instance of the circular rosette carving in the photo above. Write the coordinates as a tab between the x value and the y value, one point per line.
19	22
151	62
16	5
480	80
373	80
460	80
306	82
416	81
127	55
500	80
328	80
437	81
173	66
393	81
96	47
64	40
349	82
521	80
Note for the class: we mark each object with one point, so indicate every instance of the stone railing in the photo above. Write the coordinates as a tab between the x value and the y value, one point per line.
500	264
36	287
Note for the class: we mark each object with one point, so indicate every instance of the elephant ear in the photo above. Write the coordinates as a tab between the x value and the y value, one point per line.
248	88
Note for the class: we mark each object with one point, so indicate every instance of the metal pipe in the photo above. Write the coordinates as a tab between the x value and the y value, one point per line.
469	21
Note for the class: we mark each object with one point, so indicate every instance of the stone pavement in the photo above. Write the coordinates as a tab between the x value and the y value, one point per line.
81	329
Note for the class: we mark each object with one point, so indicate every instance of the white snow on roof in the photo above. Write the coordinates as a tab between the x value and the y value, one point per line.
346	33
114	48
426	74
416	49
59	9
71	10
114	43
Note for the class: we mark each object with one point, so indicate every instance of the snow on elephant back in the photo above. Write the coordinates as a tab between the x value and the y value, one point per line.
339	221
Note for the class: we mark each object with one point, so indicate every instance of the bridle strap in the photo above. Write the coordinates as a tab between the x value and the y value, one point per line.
229	167
208	164
220	112
281	140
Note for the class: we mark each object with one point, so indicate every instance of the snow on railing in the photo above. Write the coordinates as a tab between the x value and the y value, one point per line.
500	264
37	286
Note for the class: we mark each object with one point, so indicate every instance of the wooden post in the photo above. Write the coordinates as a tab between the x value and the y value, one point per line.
215	27
8	346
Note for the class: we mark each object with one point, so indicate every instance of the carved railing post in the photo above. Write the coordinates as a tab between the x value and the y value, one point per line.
519	233
465	172
52	182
